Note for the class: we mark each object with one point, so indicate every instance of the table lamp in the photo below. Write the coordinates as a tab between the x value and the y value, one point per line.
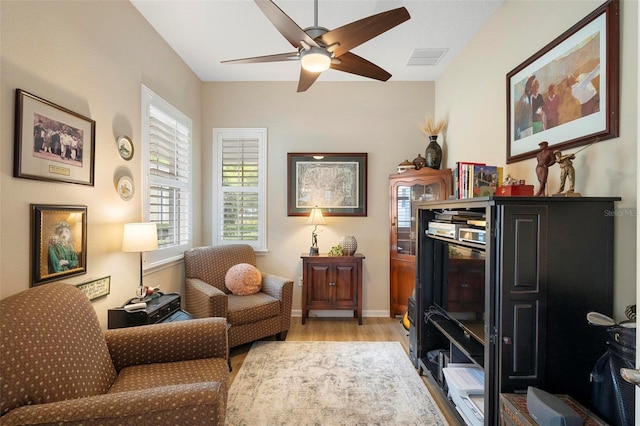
140	237
315	218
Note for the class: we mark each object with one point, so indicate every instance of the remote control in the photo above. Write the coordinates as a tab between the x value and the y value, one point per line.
135	306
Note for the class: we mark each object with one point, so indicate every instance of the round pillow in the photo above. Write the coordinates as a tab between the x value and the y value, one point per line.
243	279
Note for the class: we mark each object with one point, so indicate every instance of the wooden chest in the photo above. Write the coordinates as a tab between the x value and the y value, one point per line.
513	411
514	190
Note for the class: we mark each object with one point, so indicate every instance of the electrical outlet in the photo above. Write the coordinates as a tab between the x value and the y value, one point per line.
299	281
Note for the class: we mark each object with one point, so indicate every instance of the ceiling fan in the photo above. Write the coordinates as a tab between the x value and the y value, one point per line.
319	49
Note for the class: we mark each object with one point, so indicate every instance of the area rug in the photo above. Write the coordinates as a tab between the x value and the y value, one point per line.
329	383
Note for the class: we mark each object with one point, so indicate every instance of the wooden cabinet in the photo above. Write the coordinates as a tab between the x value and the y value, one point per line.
548	262
407	190
332	283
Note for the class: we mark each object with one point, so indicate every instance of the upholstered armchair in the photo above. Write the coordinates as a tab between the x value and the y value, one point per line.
250	317
57	366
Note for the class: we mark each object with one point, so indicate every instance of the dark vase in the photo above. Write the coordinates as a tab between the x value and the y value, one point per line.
433	153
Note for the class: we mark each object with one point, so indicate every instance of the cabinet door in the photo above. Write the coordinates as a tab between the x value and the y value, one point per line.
407	190
318	287
406	195
522	292
403	273
344	285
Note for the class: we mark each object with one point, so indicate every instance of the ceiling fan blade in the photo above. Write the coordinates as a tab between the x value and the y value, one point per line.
292	56
307	78
287	27
354	34
354	64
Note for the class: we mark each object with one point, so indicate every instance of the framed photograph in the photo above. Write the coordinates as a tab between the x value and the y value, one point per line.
58	242
567	94
52	143
335	182
96	288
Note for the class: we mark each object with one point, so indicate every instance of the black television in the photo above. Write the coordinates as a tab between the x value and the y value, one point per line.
459	285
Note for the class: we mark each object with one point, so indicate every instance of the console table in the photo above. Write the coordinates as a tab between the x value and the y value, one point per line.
165	308
332	283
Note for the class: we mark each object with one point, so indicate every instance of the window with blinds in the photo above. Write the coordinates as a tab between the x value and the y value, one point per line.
241	185
168	175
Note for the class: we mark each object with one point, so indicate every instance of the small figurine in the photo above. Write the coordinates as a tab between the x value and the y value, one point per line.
546	159
566	171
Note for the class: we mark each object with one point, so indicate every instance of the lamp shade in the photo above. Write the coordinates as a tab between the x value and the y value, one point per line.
315	217
315	59
139	237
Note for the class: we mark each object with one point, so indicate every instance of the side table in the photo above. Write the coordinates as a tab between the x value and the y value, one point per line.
165	308
332	283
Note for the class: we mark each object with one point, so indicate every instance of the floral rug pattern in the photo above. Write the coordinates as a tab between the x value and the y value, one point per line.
329	383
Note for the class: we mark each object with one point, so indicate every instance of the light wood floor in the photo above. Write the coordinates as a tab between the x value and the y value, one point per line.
347	329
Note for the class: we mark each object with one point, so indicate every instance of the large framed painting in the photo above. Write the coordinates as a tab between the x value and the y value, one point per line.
335	182
52	143
567	94
58	242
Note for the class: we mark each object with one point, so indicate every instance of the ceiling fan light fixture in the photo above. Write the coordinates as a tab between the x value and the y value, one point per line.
315	59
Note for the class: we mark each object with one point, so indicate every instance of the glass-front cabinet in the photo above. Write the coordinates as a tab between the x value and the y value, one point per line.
407	190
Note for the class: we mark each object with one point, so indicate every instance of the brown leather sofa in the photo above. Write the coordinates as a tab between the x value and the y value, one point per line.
57	366
252	317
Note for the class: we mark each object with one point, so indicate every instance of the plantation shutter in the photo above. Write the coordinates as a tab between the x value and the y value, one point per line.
242	177
169	171
168	160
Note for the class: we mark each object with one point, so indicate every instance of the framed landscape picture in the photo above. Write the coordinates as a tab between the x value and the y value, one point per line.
52	143
58	242
335	182
567	94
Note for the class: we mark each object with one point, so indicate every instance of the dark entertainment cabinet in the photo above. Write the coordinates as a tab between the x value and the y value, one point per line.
548	262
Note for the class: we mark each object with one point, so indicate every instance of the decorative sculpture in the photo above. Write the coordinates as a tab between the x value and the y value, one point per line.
566	171
546	159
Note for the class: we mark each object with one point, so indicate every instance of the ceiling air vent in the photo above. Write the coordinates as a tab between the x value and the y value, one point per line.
426	56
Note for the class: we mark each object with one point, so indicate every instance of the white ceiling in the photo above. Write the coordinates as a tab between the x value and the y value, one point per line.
205	32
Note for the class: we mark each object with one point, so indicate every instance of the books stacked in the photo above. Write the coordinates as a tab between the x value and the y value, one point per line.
476	179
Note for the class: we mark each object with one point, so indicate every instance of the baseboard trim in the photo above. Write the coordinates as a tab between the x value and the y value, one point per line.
341	314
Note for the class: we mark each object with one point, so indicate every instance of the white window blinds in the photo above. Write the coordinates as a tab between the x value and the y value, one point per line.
168	160
241	166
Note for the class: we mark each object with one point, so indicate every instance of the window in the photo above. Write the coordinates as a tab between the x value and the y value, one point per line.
240	215
166	138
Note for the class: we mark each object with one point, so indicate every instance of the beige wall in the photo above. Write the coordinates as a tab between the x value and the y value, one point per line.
90	57
96	60
472	95
372	117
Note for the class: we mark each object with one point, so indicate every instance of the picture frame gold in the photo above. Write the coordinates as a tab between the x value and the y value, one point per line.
58	242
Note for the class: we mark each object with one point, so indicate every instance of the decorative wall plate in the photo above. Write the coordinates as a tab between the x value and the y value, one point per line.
125	147
125	188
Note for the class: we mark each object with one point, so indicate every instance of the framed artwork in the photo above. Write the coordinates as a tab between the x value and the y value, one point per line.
335	182
58	242
52	143
567	94
96	288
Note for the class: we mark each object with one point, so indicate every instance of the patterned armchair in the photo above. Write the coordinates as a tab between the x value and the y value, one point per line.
58	366
250	318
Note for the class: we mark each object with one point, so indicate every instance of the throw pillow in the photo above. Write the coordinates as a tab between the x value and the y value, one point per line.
243	279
